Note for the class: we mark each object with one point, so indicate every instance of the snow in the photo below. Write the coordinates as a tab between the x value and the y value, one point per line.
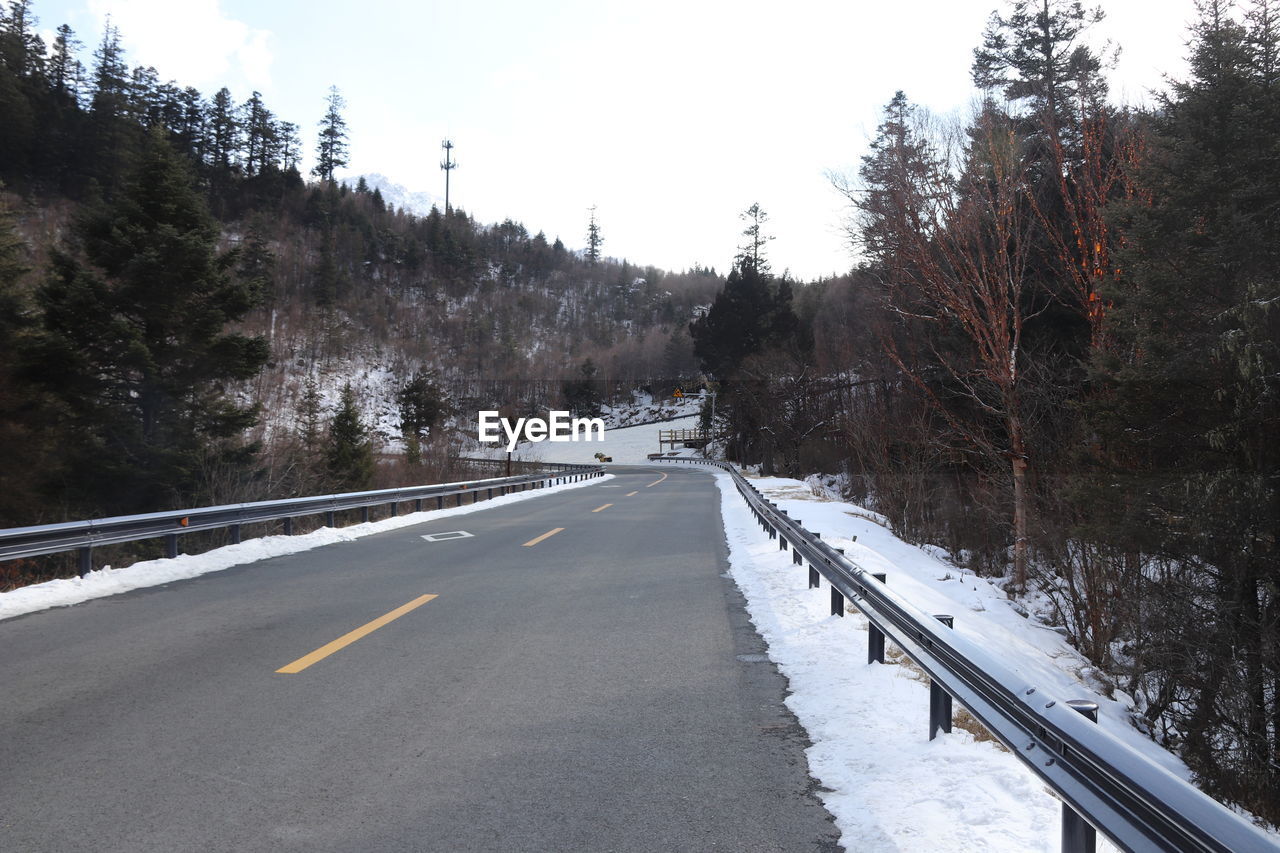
108	581
627	446
643	407
887	785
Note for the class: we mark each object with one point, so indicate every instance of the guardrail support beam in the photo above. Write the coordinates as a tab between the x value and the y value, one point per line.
875	637
85	561
1077	835
837	603
939	699
171	546
235	534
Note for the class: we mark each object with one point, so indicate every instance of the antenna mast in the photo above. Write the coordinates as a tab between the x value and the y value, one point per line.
448	164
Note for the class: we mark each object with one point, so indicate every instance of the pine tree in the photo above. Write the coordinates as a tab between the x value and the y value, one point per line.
24	437
1037	55
1187	465
752	252
64	69
594	240
257	266
331	146
110	75
22	50
223	132
421	405
259	134
309	415
134	343
350	452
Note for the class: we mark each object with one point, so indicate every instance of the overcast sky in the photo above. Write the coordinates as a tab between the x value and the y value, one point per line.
670	117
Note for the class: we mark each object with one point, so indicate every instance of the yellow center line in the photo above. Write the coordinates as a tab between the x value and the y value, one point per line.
657	481
606	506
347	639
636	492
546	535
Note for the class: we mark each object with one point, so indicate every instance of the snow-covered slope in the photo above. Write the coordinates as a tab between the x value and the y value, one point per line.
398	195
626	446
888	786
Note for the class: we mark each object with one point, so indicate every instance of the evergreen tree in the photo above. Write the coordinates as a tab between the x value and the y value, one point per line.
110	75
134	343
24	438
223	129
1186	465
350	452
594	240
290	145
331	146
259	134
309	415
752	252
421	405
64	69
21	49
257	265
583	396
1036	55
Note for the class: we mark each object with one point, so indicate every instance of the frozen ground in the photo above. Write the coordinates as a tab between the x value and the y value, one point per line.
627	446
109	581
888	786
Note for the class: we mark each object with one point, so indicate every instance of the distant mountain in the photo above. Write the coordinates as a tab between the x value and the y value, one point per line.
398	195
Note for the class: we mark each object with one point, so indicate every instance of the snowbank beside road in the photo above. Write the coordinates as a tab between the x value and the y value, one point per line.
889	787
108	581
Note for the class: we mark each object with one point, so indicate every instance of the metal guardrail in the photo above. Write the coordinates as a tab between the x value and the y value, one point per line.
84	536
1103	782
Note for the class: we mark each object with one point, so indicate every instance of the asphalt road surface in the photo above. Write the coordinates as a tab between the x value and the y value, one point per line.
599	688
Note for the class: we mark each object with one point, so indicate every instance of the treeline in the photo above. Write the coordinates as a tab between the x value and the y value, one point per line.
185	318
1060	359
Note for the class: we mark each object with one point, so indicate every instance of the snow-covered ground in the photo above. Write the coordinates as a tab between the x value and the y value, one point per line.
108	581
888	786
627	446
644	407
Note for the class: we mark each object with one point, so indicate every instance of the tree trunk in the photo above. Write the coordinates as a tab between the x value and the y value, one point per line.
1019	522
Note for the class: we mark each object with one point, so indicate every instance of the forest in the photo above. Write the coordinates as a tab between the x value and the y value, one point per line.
188	319
1056	355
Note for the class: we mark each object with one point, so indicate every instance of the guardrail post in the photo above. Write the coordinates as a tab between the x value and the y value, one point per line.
417	505
171	546
85	561
939	699
288	526
364	514
837	602
439	501
875	637
1077	835
235	534
329	519
490	494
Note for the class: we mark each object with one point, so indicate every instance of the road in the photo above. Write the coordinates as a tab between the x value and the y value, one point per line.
599	688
